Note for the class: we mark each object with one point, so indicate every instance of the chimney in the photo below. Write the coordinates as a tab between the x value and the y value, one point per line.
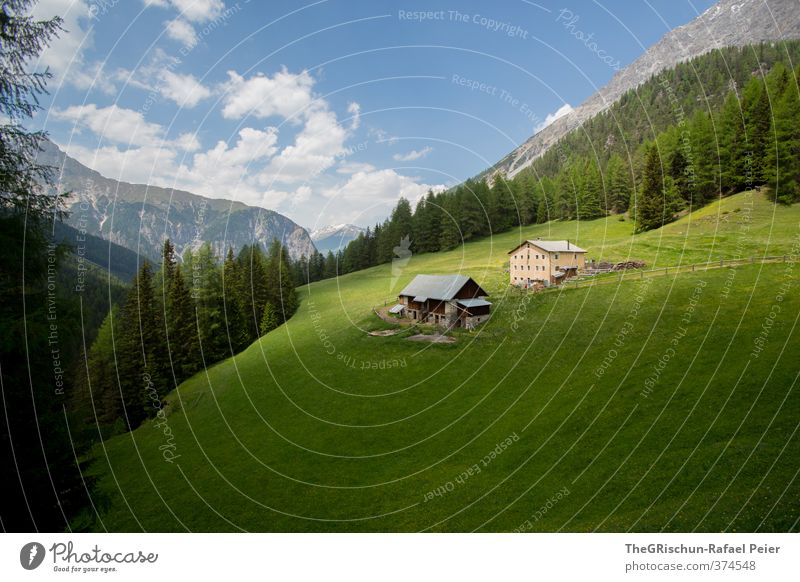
567	244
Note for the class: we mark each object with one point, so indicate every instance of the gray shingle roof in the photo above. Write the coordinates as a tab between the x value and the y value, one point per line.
552	246
437	287
473	302
557	246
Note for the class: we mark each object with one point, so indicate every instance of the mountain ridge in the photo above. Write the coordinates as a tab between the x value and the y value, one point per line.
140	216
726	23
335	236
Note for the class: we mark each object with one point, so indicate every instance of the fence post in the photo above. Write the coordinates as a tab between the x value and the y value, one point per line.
722	262
692	267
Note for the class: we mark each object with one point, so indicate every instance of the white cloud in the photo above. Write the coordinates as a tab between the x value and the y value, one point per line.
159	75
315	149
284	94
354	109
113	123
368	196
413	155
199	10
65	55
187	142
353	167
379	186
180	30
185	90
189	11
143	165
551	117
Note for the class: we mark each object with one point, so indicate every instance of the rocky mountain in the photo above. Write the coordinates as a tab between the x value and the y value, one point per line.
727	23
334	237
139	217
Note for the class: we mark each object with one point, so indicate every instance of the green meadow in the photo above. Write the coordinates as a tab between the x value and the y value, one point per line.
663	404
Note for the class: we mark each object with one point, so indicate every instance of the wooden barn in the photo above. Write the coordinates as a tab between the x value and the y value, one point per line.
448	300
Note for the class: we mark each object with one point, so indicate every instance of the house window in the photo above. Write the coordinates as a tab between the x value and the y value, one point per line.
556	256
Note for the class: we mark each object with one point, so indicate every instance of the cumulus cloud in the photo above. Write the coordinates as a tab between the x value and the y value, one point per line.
369	195
199	10
413	155
354	109
315	149
159	74
379	186
353	167
185	90
65	56
285	94
180	30
113	123
189	11
551	117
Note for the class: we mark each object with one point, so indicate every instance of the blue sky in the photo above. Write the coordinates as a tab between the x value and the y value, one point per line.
327	111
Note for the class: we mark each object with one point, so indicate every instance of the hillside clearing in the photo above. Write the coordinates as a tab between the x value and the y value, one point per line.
647	405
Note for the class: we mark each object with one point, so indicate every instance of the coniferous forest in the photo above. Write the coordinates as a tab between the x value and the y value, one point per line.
717	125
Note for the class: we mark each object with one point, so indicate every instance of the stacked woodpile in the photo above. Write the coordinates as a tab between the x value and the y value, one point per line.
625	265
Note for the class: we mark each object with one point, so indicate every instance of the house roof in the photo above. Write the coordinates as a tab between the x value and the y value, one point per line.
473	303
397	309
552	246
437	287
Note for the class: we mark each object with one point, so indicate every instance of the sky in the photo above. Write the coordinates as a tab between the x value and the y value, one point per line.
327	111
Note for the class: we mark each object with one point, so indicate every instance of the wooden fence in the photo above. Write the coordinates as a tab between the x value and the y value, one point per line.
617	276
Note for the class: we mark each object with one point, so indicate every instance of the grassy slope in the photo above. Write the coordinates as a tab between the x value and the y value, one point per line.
293	434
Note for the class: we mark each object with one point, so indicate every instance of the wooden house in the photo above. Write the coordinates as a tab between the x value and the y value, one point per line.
448	300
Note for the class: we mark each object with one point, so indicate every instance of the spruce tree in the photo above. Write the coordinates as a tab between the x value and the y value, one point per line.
270	318
591	199
784	159
281	292
182	326
619	184
235	322
654	204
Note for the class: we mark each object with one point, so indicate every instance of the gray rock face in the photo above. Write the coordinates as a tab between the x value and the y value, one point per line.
727	23
139	217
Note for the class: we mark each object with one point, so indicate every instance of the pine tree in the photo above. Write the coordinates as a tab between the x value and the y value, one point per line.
449	232
655	201
235	322
705	160
253	283
733	146
619	184
590	198
784	159
758	119
270	319
182	326
141	368
330	266
472	213
280	286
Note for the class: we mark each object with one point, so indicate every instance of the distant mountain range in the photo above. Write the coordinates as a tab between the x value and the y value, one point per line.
727	23
139	217
334	237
